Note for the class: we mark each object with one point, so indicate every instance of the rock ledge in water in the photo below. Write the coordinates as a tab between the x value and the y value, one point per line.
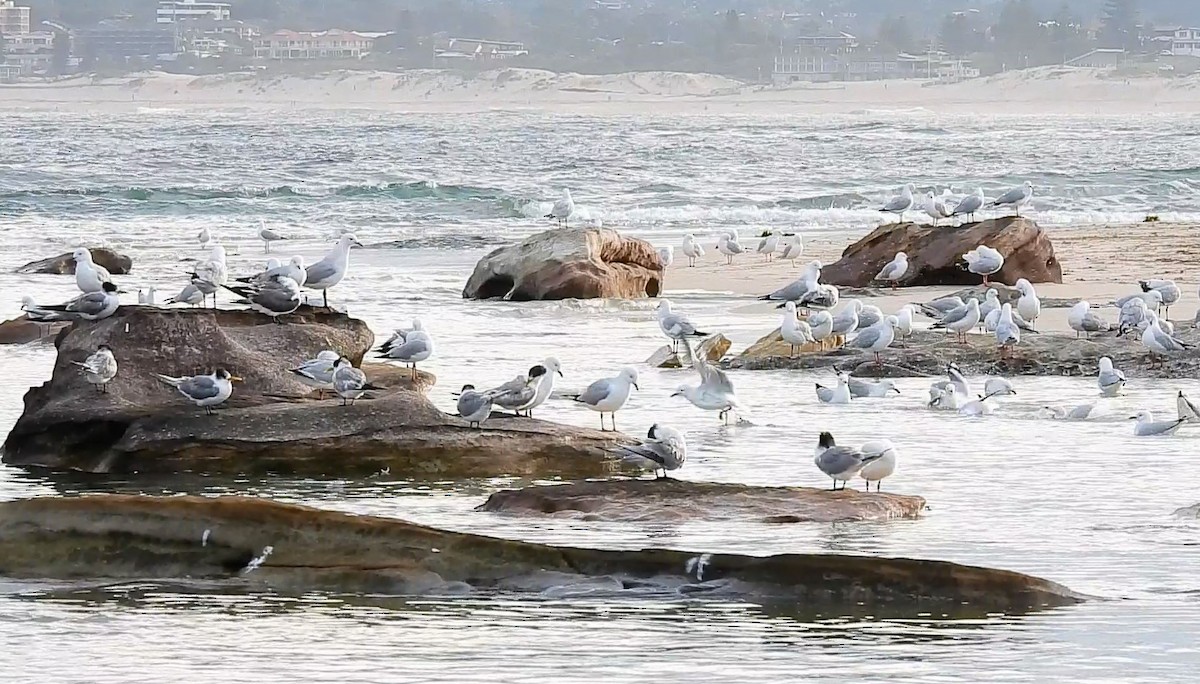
671	499
215	540
64	264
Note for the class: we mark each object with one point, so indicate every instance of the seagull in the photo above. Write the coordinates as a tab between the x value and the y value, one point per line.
808	281
990	303
545	385
473	406
90	306
330	270
267	235
675	326
901	203
970	204
881	458
998	387
667	256
1008	335
101	367
293	269
519	391
868	316
89	276
416	347
984	261
715	391
935	208
1152	298
189	295
956	381
728	245
1029	306
840	462
212	273
1017	197
562	209
904	320
944	398
1081	319
664	446
823	296
1167	289
1146	426
837	395
894	270
977	407
205	391
768	245
876	338
204	237
1185	408
795	332
692	249
608	395
821	325
278	297
860	389
1080	412
961	319
401	335
846	320
794	249
940	307
1132	316
1110	380
1160	342
317	373
148	297
349	382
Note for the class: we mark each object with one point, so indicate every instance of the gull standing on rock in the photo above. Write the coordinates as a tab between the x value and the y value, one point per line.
90	306
1146	426
990	303
608	395
416	347
675	326
692	249
474	406
293	269
961	320
1082	320
189	295
795	332
267	235
904	320
101	367
205	391
728	245
768	245
1008	335
970	204
876	338
839	462
1132	316
317	373
562	209
1110	380
794	249
821	325
1167	289
330	270
1016	198
275	298
901	203
881	458
938	308
545	385
89	276
1159	342
837	395
519	391
209	275
1029	306
846	320
349	382
715	391
984	261
809	280
935	208
665	446
894	270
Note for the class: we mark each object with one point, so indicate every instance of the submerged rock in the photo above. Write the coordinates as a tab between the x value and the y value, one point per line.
670	499
568	263
21	330
712	349
271	424
63	264
935	253
255	543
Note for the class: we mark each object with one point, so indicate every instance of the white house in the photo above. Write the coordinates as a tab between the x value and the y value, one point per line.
1185	42
175	11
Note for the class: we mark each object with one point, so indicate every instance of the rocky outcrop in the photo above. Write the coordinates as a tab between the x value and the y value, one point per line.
666	500
116	263
568	263
772	345
712	349
271	424
21	330
250	542
935	253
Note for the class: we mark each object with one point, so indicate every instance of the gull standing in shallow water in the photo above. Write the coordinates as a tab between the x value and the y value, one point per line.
267	235
837	395
675	326
841	462
901	203
473	406
665	446
205	391
1146	426
715	391
608	395
692	249
101	367
1110	379
1016	198
894	270
330	270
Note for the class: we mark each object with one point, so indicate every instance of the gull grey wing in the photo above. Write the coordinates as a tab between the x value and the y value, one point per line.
1093	323
199	387
652	451
824	394
790	292
678	325
889	271
596	392
320	272
1011	196
867	337
839	459
472	402
896	204
713	377
408	350
859	388
953	316
1159	427
969	205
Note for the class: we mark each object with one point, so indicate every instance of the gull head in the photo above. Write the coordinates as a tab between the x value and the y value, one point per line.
348	240
82	255
910	188
890	385
466	388
790	307
553	366
27	302
1141	416
223	374
893	321
1106	363
681	391
327	355
664	306
297	261
1029	185
630	375
901	256
992	295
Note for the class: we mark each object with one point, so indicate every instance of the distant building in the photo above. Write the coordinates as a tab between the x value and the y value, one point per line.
815	58
828	59
116	43
9	73
468	49
1179	42
14	20
175	11
331	44
227	29
32	53
1099	58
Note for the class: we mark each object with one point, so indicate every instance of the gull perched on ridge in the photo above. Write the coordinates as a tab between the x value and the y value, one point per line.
349	382
563	208
1017	197
330	270
608	395
474	406
970	204
984	261
935	208
205	391
317	373
841	462
675	326
901	203
89	306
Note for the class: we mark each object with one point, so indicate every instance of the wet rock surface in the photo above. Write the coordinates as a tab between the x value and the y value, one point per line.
21	330
64	264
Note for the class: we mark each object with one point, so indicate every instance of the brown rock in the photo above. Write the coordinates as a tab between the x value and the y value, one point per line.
712	349
670	499
63	264
568	263
935	254
215	539
21	330
773	345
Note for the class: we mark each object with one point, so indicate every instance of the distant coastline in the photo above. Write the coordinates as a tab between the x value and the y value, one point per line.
1044	90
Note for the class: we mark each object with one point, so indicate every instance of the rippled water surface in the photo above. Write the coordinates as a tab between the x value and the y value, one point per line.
1084	504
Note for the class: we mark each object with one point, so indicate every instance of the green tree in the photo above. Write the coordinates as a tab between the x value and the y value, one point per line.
1119	25
956	35
895	34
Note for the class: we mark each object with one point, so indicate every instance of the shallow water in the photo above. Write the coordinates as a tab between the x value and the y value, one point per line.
1084	504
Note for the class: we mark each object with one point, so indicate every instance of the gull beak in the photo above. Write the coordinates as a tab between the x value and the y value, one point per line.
676	393
560	374
356	243
896	390
933	403
234	378
635	386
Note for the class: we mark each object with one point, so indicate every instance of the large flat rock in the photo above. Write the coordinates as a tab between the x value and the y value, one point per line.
670	499
255	543
64	264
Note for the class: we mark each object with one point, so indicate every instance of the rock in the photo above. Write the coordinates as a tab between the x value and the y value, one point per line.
63	264
568	263
935	254
302	549
926	353
21	330
1192	511
1009	295
270	424
772	345
712	349
683	501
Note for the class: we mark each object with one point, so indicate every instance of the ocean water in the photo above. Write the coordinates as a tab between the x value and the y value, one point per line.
1084	504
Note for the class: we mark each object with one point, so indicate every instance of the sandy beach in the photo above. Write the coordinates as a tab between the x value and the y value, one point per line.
1040	91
